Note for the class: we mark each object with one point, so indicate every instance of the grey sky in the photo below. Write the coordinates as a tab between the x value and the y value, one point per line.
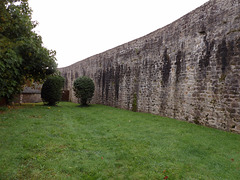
77	29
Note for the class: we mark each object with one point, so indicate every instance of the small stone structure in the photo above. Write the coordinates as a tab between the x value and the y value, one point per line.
188	70
30	95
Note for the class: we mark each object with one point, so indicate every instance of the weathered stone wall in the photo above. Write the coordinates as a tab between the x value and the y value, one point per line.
28	98
188	70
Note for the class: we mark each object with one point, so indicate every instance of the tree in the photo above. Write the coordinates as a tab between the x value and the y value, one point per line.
84	89
51	92
22	55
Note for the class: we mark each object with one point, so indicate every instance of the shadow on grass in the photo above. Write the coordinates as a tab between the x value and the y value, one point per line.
52	106
2	109
85	106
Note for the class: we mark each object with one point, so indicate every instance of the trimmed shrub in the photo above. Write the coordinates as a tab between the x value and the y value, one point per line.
84	89
52	90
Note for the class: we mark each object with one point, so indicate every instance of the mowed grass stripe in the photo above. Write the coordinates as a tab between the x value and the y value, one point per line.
101	142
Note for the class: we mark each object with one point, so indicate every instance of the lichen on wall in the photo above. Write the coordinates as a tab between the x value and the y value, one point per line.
188	70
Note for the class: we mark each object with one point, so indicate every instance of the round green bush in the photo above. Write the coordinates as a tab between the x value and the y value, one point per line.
84	89
51	92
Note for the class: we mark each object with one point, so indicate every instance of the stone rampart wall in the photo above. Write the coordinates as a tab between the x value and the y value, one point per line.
188	70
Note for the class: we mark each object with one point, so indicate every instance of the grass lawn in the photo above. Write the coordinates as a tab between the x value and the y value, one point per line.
101	142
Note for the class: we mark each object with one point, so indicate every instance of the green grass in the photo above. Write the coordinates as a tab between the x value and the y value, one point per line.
100	142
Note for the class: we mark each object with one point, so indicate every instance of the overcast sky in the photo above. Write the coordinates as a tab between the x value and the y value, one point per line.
78	29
